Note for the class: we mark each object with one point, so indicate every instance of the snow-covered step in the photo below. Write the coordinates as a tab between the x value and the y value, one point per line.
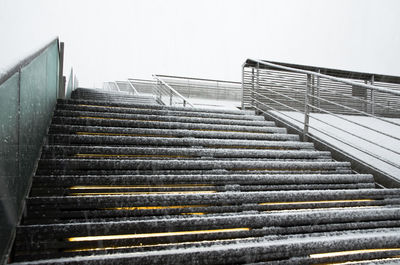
310	248
37	191
57	151
150	132
174	142
139	171
82	107
111	122
149	106
154	164
213	198
143	117
94	94
94	205
231	179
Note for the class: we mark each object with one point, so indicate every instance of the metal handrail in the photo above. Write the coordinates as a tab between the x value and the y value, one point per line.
199	79
266	81
337	104
173	91
300	71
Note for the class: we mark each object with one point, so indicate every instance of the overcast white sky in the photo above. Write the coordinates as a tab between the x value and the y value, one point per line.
108	40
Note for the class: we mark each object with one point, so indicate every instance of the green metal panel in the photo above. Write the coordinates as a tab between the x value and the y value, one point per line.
9	172
26	105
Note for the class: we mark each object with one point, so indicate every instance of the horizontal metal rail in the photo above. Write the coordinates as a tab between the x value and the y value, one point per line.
376	88
358	99
200	89
199	79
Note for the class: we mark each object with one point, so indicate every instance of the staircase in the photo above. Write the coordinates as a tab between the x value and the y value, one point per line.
123	180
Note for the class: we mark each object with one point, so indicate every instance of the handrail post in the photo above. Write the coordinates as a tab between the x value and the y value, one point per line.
170	98
258	80
318	90
243	67
252	86
61	82
372	96
307	109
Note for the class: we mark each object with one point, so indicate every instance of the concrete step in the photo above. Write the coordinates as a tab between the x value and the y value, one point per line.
60	139
112	206
106	152
109	122
95	94
285	249
142	117
139	171
148	106
92	108
154	164
178	133
231	179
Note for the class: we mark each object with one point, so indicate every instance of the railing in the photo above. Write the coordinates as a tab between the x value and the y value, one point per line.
142	86
168	95
120	86
201	88
354	114
29	93
110	86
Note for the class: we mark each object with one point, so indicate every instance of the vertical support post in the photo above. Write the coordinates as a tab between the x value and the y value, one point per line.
372	96
307	108
184	103
318	91
243	67
258	83
312	93
170	98
61	83
252	86
365	105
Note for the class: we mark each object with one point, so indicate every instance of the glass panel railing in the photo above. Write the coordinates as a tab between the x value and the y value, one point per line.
27	100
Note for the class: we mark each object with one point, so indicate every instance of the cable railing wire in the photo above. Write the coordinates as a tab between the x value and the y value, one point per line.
358	111
269	77
332	136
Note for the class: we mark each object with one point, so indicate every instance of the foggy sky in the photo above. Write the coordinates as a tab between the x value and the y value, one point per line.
109	40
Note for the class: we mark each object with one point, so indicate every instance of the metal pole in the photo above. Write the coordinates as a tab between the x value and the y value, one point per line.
372	96
312	93
318	91
252	86
170	98
258	79
243	107
307	108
